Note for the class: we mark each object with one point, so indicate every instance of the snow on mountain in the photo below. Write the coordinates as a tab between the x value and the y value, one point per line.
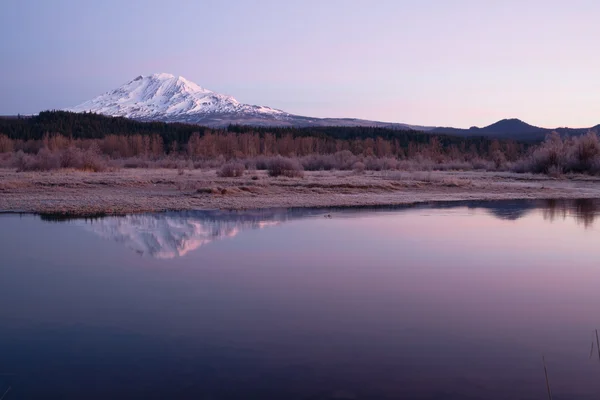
166	97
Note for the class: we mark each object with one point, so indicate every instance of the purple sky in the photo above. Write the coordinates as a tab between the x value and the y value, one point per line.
450	63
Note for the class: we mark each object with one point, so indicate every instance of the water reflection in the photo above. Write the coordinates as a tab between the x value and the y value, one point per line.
175	234
584	211
431	301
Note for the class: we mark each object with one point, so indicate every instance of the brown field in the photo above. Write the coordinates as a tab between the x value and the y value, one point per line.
144	190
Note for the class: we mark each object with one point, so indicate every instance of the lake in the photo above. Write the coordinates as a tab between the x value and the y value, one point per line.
436	301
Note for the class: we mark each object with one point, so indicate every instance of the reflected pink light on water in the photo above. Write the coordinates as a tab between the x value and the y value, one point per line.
453	295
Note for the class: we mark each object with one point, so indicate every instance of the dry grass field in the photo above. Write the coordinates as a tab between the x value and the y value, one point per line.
144	190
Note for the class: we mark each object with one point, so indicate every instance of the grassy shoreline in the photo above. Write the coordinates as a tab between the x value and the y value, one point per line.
71	192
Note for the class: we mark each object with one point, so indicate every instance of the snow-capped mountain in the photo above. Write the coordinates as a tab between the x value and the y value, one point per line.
168	98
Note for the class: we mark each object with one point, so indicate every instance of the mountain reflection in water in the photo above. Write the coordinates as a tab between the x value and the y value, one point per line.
175	234
430	301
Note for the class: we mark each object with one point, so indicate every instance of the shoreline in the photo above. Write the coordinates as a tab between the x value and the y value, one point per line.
132	191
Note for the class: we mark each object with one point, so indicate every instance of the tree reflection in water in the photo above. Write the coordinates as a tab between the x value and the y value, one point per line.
584	211
174	234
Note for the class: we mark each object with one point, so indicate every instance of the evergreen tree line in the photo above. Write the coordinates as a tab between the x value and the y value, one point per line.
121	137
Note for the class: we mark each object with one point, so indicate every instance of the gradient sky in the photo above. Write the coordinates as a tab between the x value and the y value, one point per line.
445	62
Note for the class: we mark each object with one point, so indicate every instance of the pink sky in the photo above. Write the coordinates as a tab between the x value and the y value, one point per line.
449	63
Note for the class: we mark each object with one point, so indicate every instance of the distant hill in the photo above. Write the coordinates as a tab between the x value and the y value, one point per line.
512	129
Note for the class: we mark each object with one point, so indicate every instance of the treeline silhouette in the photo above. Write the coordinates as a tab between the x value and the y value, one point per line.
90	126
239	141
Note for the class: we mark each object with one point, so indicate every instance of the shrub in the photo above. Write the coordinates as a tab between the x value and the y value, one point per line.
556	156
6	160
44	160
417	163
521	166
6	144
92	160
358	167
380	164
168	163
499	159
135	162
344	160
231	170
282	166
72	157
216	162
318	162
585	150
482	165
261	162
550	153
249	164
47	160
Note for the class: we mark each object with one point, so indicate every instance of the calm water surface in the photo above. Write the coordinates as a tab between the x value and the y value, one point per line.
446	301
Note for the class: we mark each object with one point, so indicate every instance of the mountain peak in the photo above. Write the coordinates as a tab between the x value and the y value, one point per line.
511	125
162	75
169	98
512	121
164	96
164	78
